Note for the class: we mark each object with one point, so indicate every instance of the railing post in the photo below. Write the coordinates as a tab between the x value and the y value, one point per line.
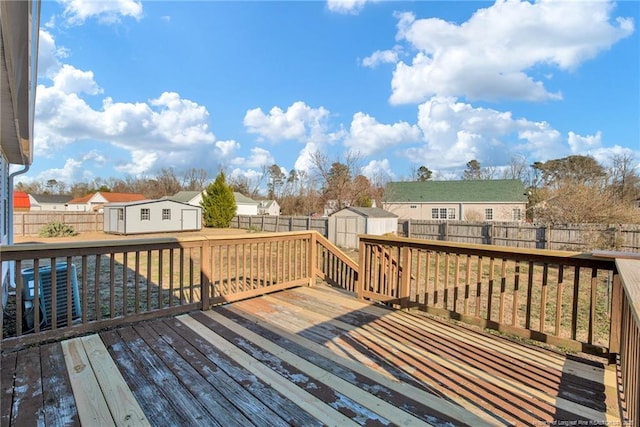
615	315
361	273
313	257
205	274
405	278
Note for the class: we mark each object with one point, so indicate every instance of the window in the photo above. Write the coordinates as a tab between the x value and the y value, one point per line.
516	214
488	214
434	213
413	206
120	214
145	214
443	213
166	214
451	213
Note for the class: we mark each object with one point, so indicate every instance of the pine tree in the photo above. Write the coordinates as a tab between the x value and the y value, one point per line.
218	203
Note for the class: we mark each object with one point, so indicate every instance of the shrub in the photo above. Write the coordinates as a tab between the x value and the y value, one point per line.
218	203
57	229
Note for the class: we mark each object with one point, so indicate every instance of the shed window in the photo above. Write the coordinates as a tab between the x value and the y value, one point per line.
120	214
166	214
488	214
145	214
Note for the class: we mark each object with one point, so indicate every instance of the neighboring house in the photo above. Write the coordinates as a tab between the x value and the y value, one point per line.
19	25
21	201
268	207
193	198
49	202
472	200
94	202
245	205
347	223
151	216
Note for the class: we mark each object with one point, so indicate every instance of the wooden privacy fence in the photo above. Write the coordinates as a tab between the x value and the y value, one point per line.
569	237
94	285
30	223
561	298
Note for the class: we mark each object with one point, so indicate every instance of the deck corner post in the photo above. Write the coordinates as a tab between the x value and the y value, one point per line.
361	273
615	323
313	257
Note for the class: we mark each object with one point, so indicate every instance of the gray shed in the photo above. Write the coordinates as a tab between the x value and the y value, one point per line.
347	223
151	216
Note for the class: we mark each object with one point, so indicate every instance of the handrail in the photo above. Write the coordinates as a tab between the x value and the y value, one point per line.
334	266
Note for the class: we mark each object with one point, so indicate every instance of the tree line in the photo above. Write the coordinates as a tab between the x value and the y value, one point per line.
572	189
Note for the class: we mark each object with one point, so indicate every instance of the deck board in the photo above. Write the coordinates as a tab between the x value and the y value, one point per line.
305	356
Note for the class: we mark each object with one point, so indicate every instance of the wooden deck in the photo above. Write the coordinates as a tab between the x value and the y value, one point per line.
305	356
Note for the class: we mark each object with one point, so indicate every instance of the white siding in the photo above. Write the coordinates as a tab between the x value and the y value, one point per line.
247	209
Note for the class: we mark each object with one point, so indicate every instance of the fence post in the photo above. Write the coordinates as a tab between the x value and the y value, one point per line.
408	228
615	315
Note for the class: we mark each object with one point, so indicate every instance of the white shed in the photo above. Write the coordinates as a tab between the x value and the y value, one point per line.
151	216
347	223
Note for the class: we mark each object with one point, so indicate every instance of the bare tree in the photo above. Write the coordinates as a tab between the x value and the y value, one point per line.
194	179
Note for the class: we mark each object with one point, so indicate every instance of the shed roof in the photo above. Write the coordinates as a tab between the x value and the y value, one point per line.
369	212
147	202
465	191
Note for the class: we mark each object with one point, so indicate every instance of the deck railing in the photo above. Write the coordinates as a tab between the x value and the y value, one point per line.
128	280
333	266
627	343
561	298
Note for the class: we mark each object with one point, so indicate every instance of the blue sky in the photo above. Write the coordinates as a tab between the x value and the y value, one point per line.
128	87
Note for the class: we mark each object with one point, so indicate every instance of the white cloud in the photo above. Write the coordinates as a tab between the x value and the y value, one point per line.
368	136
165	132
455	133
227	148
584	144
378	171
106	12
48	54
71	80
299	122
381	57
304	162
352	7
491	55
72	171
259	157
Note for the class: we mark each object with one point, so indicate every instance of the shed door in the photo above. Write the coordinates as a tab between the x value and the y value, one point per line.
113	220
190	219
347	230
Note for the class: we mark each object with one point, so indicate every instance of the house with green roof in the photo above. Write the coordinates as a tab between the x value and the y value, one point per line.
470	200
246	205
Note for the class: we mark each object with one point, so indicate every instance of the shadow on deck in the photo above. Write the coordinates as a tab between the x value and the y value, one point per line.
304	356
